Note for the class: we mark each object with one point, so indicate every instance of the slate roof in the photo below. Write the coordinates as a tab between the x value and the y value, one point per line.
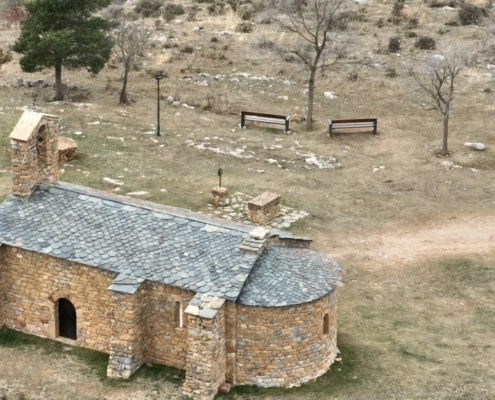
146	241
285	276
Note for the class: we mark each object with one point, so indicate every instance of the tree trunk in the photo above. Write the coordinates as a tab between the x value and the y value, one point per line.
311	94
59	87
123	93
445	149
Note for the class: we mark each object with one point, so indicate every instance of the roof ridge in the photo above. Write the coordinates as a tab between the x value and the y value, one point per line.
149	205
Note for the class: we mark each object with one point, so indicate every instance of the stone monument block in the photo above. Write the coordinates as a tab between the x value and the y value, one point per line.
264	208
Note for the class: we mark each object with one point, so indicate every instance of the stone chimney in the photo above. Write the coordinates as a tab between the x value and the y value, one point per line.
34	152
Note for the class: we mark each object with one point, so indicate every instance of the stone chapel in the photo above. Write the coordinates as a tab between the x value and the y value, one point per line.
145	282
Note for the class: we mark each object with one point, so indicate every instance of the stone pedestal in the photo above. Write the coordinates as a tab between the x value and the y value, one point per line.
67	149
220	196
264	208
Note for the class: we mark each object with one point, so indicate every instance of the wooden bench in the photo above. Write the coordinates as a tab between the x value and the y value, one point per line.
282	120
351	124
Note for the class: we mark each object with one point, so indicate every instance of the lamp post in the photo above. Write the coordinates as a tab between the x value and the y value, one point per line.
158	76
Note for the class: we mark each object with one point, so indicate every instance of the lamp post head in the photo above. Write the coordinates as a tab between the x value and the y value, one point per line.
158	76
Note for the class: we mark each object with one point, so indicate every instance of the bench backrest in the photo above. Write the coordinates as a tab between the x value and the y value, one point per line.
283	118
257	114
350	121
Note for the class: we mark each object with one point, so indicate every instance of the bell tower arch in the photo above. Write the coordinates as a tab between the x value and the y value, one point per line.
34	152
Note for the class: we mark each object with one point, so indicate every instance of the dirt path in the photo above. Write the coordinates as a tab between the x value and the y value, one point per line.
464	235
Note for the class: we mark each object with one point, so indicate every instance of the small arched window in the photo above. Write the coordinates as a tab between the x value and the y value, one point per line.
326	324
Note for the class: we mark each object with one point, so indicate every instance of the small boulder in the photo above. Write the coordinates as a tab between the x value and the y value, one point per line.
475	146
17	83
67	149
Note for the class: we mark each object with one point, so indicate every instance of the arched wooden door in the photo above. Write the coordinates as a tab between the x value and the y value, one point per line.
67	320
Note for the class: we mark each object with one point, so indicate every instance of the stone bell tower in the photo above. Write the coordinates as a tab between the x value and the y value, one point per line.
34	152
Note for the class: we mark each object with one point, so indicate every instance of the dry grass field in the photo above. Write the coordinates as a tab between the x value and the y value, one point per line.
414	233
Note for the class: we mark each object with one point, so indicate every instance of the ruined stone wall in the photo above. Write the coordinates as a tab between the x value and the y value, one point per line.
167	341
32	284
285	346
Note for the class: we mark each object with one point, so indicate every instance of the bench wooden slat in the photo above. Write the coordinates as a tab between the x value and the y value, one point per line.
265	118
352	123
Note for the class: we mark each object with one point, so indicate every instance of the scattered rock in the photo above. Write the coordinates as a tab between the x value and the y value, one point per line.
329	95
224	388
17	83
36	83
475	146
298	118
67	149
450	164
140	193
113	181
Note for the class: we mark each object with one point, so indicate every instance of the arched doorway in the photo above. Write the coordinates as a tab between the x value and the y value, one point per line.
67	320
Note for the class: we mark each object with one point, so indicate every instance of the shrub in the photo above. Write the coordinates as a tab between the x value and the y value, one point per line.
397	9
131	16
5	57
264	17
149	8
264	42
425	43
216	9
390	72
411	34
113	11
245	11
353	76
412	23
394	44
187	50
172	10
244	27
469	14
440	4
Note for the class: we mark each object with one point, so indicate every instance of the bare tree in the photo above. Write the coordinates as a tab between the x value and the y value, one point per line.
435	79
313	21
129	40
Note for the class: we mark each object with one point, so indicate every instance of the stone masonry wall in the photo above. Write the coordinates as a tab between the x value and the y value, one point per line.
205	370
129	333
167	341
230	341
32	283
285	346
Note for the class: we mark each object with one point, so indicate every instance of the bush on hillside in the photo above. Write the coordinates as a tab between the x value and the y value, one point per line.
149	8
469	14
394	44
425	43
